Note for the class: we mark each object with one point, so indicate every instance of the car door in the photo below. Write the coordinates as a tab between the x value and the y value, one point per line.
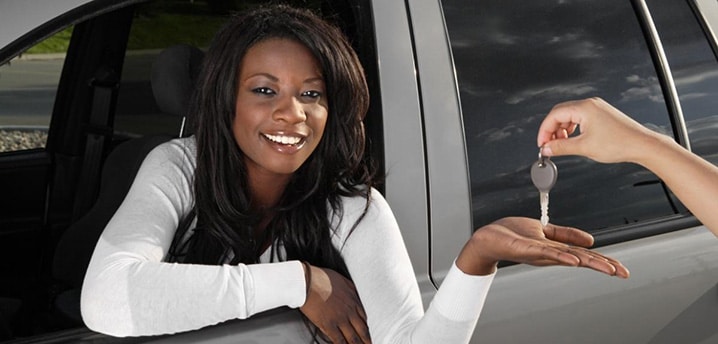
28	85
46	102
513	61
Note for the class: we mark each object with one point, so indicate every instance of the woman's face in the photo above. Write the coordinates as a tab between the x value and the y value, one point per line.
281	108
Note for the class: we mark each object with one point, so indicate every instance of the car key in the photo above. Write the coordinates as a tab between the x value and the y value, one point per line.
544	174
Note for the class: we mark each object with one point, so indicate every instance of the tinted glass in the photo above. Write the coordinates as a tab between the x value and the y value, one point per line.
28	85
156	26
514	60
695	71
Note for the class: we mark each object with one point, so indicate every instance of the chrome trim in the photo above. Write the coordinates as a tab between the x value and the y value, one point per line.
708	12
673	102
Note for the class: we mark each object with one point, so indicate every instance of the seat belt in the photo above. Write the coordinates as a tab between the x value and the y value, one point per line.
99	130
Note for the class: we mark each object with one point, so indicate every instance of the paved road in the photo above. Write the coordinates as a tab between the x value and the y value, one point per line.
27	91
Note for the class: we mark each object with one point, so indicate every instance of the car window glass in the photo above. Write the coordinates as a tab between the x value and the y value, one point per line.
156	26
694	69
28	84
514	60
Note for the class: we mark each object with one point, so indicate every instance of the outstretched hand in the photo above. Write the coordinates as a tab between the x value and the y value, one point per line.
333	305
525	240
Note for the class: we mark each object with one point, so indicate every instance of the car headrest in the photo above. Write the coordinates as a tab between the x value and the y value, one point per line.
173	76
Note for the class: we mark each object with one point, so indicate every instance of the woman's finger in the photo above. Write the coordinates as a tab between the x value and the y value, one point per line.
544	253
360	312
620	269
334	333
562	116
349	333
568	235
361	327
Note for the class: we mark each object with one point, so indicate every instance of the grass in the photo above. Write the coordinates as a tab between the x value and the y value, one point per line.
55	44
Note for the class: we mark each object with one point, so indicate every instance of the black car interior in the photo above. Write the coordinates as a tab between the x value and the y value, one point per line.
64	195
173	77
173	74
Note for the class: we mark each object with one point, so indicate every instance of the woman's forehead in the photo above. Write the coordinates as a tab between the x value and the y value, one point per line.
280	55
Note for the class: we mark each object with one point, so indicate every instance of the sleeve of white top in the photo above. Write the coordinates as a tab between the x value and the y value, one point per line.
459	283
380	267
129	290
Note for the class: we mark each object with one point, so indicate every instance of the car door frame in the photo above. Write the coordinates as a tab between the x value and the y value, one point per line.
527	304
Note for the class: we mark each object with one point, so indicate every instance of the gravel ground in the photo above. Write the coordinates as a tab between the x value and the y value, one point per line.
13	140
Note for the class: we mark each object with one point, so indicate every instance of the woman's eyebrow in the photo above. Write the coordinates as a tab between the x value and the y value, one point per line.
310	80
266	75
314	80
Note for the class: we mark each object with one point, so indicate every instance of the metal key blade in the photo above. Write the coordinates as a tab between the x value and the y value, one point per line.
544	207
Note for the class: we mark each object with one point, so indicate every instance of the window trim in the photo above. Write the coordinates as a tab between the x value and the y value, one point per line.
663	70
79	14
707	13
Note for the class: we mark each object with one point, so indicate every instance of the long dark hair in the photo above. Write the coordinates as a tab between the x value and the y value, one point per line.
338	167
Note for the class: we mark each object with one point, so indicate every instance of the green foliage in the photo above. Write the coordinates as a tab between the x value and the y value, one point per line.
156	25
165	29
159	24
57	43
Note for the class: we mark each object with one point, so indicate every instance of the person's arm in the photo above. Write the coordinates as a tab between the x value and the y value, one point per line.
380	267
381	270
128	289
607	135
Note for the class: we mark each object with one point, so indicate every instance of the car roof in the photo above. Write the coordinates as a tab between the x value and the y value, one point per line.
26	22
18	17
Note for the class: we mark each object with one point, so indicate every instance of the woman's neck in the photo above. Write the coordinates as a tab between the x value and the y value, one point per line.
266	190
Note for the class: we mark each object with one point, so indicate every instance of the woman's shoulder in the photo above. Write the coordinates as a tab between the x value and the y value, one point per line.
179	153
359	202
368	209
181	147
175	150
363	220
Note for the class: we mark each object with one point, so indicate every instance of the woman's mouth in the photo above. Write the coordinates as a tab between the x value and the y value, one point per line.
284	139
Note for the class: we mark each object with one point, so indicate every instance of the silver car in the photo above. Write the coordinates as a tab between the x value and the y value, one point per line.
458	90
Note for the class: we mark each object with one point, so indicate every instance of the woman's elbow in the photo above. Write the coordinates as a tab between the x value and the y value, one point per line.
102	312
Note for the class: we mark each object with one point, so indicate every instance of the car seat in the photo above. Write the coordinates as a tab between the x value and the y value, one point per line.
9	308
173	76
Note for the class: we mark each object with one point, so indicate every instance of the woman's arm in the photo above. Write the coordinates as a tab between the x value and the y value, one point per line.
381	270
129	290
607	135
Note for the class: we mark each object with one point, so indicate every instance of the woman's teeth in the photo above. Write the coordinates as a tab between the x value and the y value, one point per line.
285	140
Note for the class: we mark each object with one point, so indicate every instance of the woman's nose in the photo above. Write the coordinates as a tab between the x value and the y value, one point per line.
289	109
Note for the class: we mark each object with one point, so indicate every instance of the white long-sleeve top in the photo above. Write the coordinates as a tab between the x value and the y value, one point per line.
129	290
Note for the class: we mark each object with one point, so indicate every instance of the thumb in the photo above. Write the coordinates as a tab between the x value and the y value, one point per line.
559	147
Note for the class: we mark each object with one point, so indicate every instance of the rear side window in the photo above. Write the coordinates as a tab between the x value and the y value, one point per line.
514	60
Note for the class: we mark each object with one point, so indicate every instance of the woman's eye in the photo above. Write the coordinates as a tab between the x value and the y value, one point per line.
263	90
312	94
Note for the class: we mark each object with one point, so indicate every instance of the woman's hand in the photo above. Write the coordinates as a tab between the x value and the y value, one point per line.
333	306
606	134
524	240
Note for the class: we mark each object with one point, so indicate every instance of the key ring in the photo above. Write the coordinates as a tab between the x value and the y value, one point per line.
541	157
